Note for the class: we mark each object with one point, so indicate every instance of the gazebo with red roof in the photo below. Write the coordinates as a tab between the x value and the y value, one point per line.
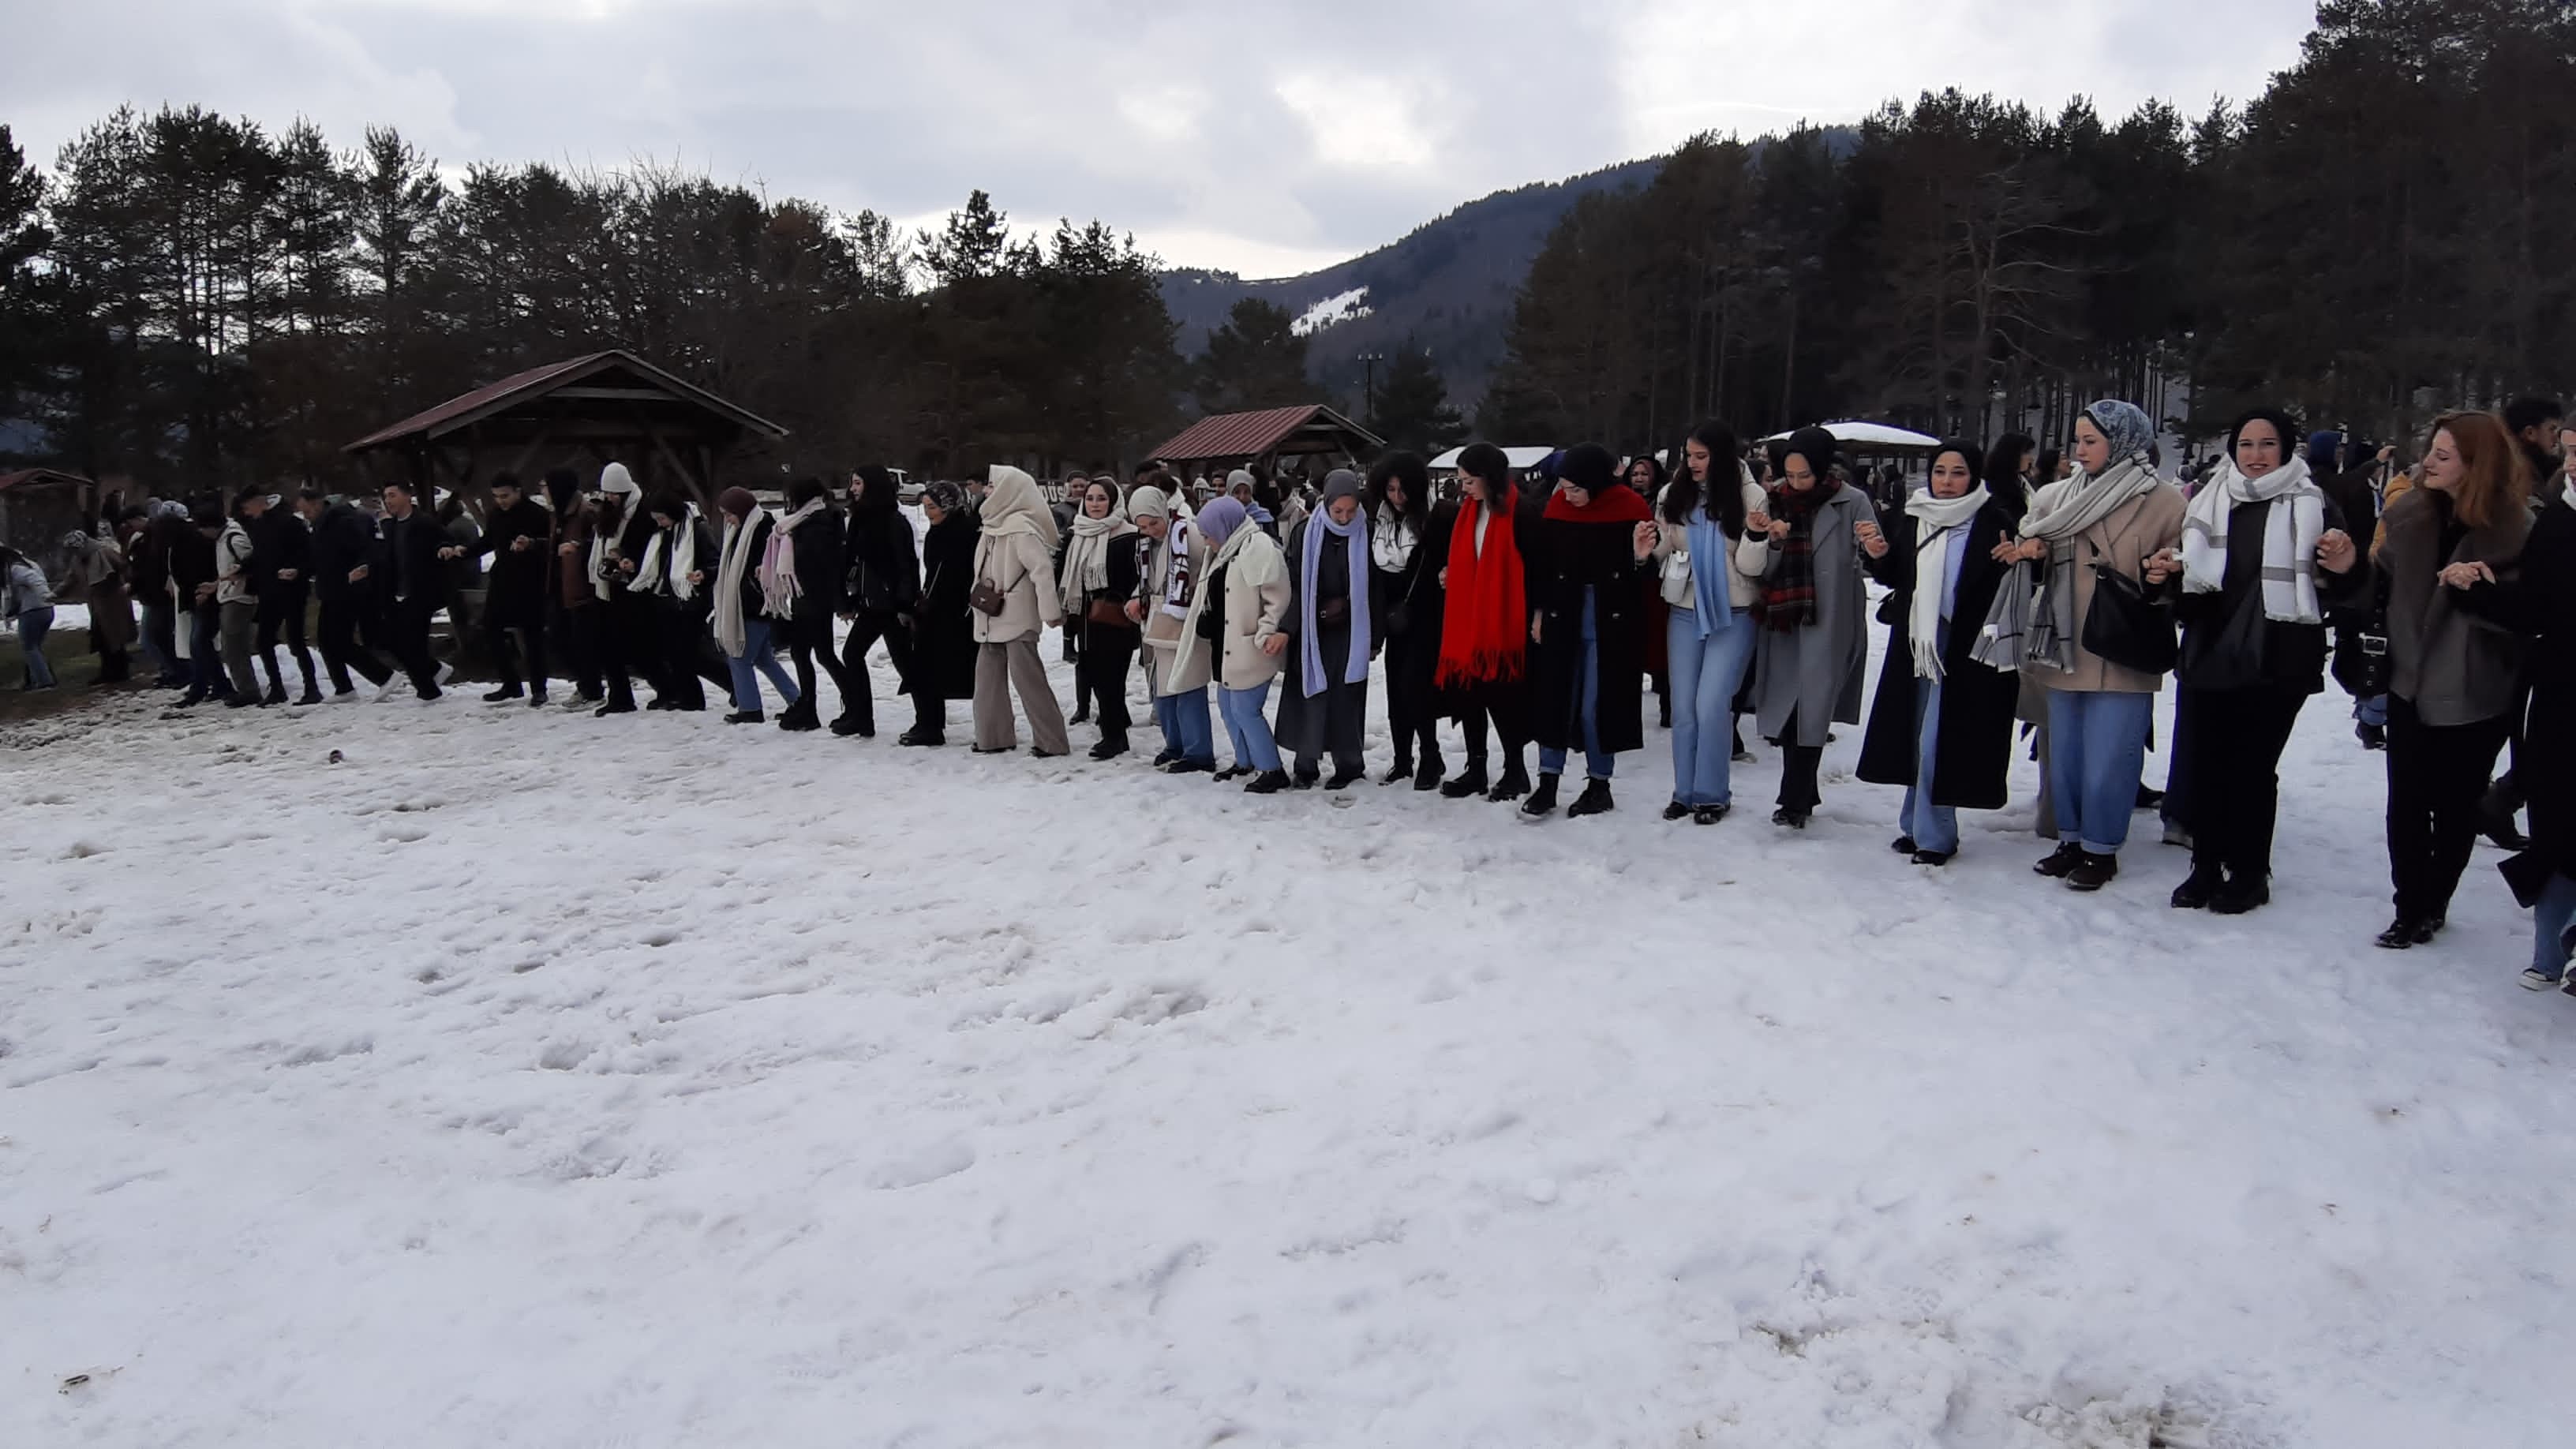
608	406
1233	439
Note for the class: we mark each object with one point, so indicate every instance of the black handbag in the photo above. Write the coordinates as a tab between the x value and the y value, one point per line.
2126	628
2232	655
2361	651
1212	611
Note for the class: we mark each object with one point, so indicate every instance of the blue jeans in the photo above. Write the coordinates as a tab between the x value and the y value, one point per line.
2097	740
1705	674
157	643
756	655
2551	921
1934	827
1249	729
1183	719
1597	762
33	625
2371	711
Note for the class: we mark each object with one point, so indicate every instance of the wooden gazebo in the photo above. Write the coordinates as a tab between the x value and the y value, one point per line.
39	505
608	406
1233	439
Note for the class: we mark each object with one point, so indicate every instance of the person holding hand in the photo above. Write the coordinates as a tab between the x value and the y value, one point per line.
2114	515
1941	723
1237	604
1814	610
2453	675
1587	627
1709	566
2264	557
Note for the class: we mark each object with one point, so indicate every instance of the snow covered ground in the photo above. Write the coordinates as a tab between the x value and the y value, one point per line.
532	1079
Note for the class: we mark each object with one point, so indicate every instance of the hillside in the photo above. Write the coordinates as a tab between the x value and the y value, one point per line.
1448	285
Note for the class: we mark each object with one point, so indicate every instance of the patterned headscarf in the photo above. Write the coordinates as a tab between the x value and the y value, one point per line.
947	495
2125	425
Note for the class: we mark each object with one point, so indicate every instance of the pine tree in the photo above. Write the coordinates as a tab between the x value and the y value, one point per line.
1413	411
1256	360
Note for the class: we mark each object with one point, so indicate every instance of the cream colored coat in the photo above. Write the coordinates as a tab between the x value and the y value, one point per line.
1256	604
2125	540
1016	554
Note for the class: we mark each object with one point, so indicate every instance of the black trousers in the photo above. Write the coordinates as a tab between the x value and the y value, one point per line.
341	651
1412	705
1798	768
623	629
858	690
2232	740
1073	642
572	644
405	633
684	655
807	639
499	624
1331	722
2435	775
281	612
1101	671
1495	713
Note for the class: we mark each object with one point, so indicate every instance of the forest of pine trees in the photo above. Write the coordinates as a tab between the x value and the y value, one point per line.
2387	231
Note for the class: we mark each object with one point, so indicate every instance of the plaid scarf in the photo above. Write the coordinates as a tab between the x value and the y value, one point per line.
1789	592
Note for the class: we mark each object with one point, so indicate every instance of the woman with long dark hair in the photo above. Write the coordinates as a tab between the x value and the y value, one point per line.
938	663
2452	675
809	545
2007	473
1646	477
880	588
1406	554
1483	670
2264	556
1707	599
1941	724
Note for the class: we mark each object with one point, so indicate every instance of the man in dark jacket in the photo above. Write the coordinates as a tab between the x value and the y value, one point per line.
148	541
281	565
413	588
192	569
518	536
341	548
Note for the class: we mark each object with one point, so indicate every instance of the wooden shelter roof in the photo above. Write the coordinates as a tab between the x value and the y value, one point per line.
42	476
1308	428
615	388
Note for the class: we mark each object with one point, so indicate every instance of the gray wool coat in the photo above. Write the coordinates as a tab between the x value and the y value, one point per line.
1818	671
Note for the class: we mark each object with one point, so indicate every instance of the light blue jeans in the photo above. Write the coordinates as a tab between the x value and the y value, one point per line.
2551	920
1705	674
1934	827
756	655
1183	718
1247	727
1598	763
33	625
2097	740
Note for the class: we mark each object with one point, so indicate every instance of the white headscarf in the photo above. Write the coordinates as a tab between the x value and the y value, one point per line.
1086	558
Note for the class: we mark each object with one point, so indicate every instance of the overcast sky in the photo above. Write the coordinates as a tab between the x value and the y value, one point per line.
1259	136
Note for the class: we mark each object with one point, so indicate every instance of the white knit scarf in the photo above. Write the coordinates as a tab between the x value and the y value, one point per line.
779	586
1086	557
652	578
2290	537
733	560
1935	519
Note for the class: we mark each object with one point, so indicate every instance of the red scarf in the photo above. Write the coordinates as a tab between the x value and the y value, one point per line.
1484	633
1617	503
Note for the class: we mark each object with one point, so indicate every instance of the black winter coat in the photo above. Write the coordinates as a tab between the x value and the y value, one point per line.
1414	591
2294	655
2539	602
1974	750
883	577
943	625
1564	559
820	558
408	564
192	562
342	541
515	590
279	540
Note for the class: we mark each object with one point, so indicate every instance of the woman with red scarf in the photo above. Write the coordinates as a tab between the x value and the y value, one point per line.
1482	673
1587	628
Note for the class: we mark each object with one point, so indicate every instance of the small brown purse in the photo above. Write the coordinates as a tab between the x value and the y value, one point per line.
1108	612
986	599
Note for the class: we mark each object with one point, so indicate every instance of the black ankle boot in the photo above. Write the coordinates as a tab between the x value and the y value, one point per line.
1428	776
1595	800
1542	801
1514	784
1473	782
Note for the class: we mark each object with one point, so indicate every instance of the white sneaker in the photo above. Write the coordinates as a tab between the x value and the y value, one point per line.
2533	980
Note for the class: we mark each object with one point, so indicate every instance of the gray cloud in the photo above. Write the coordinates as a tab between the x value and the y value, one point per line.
1262	136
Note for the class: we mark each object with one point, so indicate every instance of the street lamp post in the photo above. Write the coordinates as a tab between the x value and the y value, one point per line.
1368	387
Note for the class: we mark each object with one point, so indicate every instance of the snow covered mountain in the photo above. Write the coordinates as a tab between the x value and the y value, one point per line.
1448	285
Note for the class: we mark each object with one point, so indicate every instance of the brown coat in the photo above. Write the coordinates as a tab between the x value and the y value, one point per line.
2453	666
2125	540
572	570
